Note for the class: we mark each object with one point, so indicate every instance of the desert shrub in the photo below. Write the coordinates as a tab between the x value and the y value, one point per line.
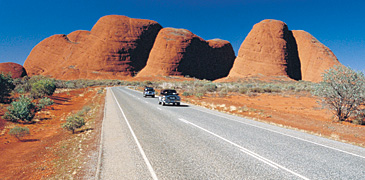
83	111
222	93
19	132
199	95
147	83
42	103
83	83
257	90
22	85
22	109
73	122
187	93
244	90
6	86
342	90
210	87
100	91
43	87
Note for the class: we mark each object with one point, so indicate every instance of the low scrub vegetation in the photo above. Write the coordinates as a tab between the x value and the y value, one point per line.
77	120
21	110
19	132
73	122
201	88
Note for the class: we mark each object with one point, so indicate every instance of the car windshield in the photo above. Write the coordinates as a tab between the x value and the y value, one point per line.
169	92
149	89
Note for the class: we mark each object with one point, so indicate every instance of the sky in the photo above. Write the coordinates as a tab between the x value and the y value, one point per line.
338	24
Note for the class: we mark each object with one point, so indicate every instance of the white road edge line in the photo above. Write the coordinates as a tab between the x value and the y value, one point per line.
329	147
271	163
149	166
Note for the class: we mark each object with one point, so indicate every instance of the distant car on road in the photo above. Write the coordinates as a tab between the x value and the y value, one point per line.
169	96
149	91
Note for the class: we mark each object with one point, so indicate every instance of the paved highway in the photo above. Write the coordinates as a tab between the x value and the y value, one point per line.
144	140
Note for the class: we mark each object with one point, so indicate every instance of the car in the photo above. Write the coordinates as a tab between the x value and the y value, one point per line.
149	91
169	96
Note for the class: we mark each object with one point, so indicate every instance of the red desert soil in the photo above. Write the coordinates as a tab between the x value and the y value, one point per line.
37	156
300	112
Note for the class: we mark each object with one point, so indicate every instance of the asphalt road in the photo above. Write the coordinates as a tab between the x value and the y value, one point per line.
144	140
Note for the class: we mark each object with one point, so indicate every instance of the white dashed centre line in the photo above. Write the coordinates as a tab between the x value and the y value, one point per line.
251	153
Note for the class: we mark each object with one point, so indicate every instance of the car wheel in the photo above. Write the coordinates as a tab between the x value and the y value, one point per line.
153	96
178	104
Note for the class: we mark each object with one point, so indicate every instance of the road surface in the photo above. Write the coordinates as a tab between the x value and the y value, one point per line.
144	140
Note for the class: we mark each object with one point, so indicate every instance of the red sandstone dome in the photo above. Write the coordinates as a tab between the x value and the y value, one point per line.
314	57
180	52
116	47
267	51
16	70
272	50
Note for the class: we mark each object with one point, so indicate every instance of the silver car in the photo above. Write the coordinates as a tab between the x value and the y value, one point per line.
149	91
169	96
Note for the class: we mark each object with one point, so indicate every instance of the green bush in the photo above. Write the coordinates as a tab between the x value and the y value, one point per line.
199	95
210	87
43	87
244	90
6	86
342	90
22	109
73	122
84	111
187	93
19	132
101	91
42	103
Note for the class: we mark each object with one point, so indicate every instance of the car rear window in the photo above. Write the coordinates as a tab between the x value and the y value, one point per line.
169	92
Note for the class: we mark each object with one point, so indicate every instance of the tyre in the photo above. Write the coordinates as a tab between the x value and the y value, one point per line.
178	104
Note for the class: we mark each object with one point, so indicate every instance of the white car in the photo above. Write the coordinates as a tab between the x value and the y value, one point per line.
169	96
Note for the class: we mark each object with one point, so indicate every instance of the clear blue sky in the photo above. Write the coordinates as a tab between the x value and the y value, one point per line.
340	25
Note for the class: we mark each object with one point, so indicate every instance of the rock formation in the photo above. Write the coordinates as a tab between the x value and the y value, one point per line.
180	52
269	50
314	57
16	70
116	47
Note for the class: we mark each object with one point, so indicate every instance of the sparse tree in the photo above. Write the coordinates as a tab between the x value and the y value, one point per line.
342	90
